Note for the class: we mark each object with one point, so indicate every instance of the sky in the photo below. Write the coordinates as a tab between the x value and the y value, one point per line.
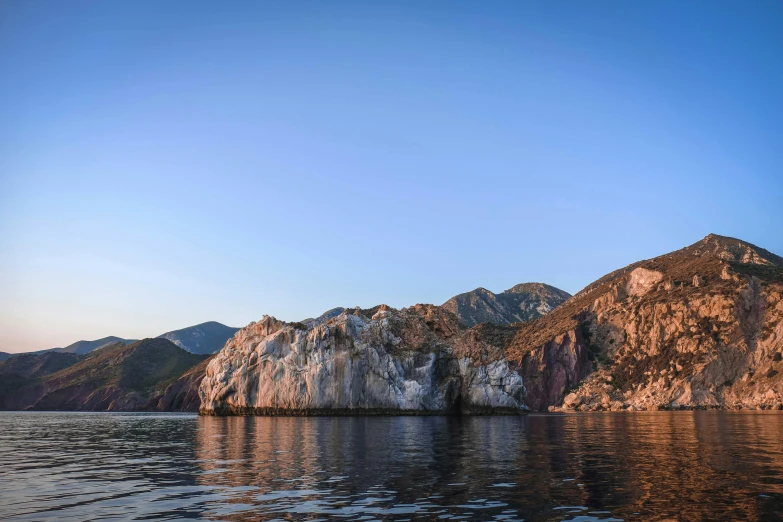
168	163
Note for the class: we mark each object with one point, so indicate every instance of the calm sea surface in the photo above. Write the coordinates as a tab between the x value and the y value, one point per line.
624	466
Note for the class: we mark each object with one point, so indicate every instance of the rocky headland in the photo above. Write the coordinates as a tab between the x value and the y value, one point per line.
698	328
417	360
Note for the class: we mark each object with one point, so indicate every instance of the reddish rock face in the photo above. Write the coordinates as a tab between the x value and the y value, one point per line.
552	369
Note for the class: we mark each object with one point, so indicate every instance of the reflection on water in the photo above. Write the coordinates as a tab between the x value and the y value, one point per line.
640	466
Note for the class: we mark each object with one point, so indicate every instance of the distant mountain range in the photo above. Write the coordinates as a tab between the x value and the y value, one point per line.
204	338
118	377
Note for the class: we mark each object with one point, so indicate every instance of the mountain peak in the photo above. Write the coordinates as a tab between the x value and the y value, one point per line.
734	250
520	303
204	338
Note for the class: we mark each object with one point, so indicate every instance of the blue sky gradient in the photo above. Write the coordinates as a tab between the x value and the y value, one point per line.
168	163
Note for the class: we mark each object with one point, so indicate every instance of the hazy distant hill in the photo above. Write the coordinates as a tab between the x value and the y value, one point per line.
523	302
82	347
204	338
117	377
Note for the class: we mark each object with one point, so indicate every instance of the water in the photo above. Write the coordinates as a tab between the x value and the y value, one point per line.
589	467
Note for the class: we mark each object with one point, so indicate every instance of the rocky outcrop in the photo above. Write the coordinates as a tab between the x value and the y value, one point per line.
417	360
698	328
523	302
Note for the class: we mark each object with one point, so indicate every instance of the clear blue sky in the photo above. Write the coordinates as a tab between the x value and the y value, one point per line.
168	163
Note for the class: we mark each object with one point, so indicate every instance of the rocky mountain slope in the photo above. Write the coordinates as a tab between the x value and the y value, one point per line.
204	338
37	365
182	394
5	355
521	303
116	377
417	360
701	327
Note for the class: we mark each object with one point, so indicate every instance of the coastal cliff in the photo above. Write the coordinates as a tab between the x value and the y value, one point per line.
417	360
699	328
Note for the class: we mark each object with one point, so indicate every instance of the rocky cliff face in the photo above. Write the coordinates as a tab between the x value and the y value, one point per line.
698	328
523	302
417	360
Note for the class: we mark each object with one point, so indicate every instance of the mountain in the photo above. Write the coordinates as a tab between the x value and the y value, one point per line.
204	338
418	360
521	303
5	355
82	347
116	377
701	327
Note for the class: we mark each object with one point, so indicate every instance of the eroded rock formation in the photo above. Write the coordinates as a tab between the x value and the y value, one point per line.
417	360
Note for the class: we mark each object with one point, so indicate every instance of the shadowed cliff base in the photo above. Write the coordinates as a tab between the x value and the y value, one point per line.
355	412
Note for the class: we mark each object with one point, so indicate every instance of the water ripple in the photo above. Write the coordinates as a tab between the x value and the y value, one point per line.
600	467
